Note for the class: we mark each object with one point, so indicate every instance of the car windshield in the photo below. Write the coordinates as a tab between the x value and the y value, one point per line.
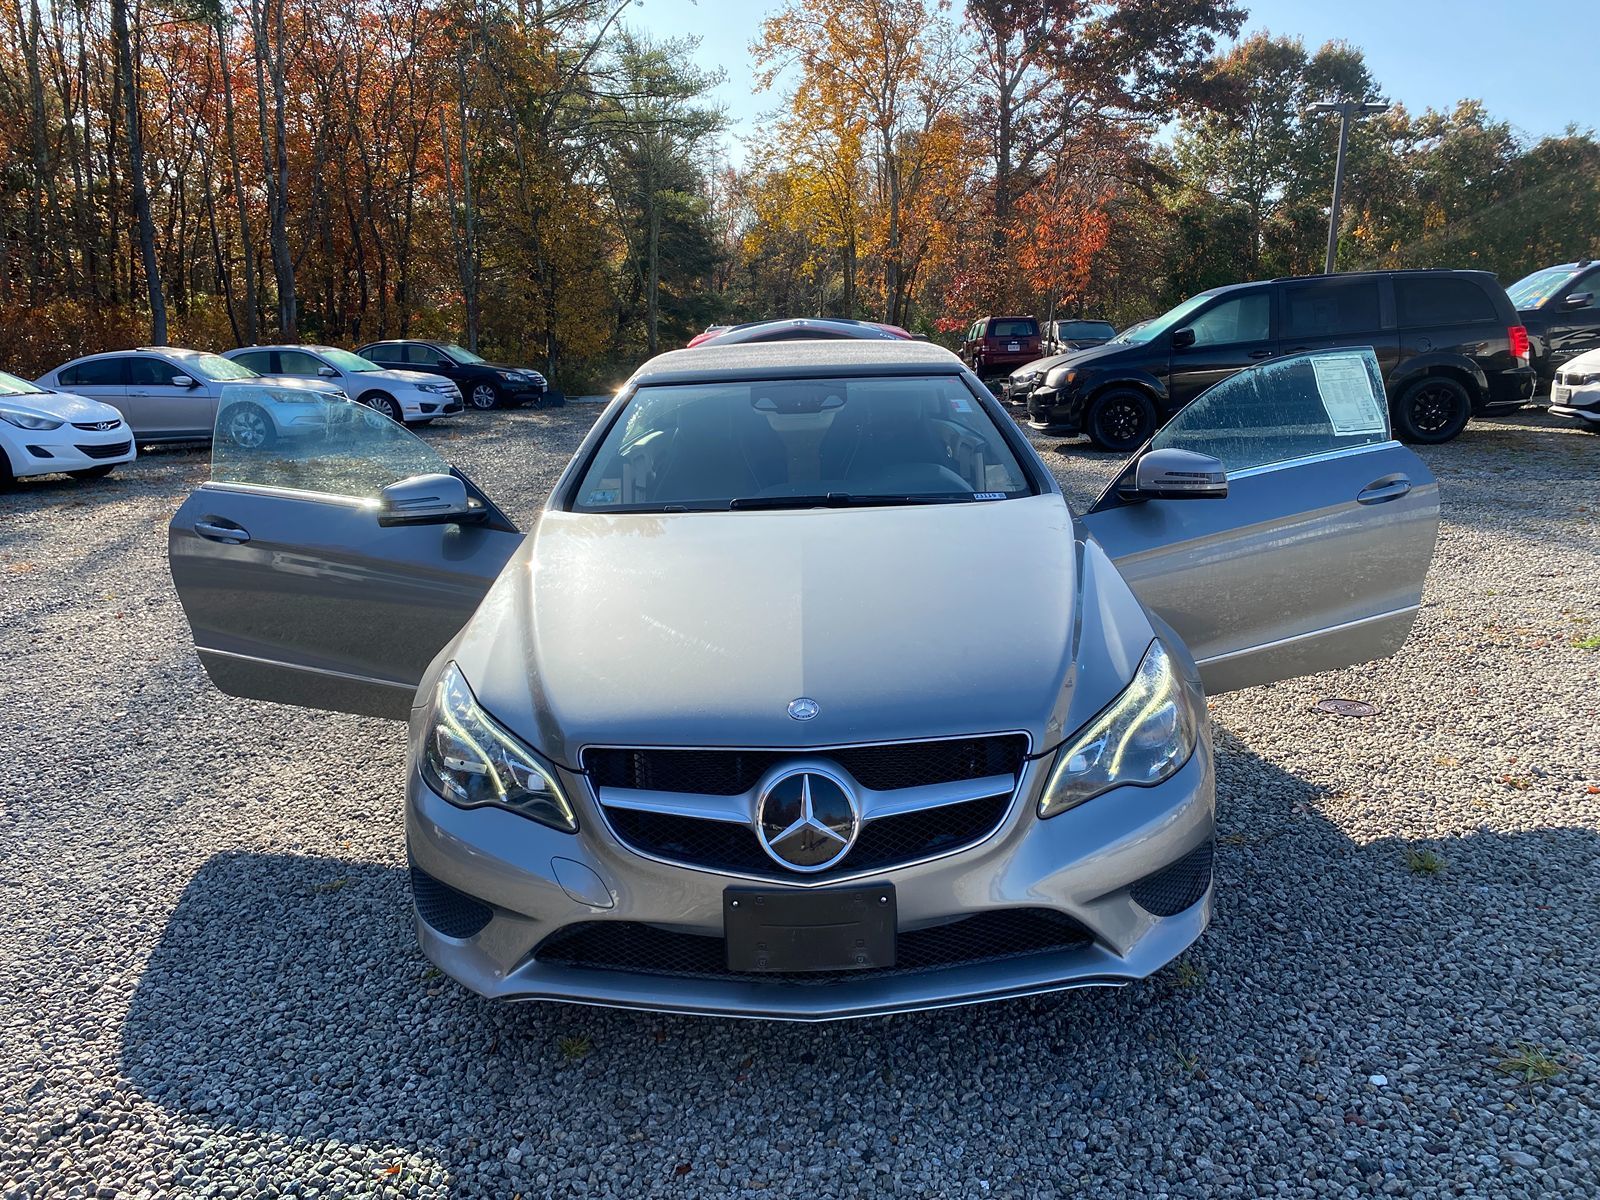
346	361
1532	291
216	368
1067	330
10	385
1171	319
800	443
462	354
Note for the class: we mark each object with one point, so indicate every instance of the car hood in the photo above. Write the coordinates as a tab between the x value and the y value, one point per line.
404	378
699	629
64	406
1083	354
1582	363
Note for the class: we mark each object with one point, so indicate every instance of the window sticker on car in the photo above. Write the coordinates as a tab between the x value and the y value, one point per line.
957	404
988	495
1346	391
609	495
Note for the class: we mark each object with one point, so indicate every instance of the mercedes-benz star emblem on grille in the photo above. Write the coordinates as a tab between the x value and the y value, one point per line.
807	820
804	708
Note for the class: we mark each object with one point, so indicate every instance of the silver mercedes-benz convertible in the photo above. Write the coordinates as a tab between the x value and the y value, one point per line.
807	696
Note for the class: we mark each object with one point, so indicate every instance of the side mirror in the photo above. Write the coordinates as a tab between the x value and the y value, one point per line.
327	372
1173	474
1182	338
427	500
1580	299
444	362
184	381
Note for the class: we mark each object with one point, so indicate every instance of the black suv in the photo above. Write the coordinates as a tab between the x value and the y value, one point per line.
1449	343
1561	308
484	384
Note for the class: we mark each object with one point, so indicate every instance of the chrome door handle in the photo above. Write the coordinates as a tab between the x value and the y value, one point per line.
1391	487
213	532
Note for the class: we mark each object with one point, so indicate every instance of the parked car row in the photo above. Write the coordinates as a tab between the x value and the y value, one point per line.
171	394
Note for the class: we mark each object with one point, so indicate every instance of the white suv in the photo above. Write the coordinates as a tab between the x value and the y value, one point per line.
166	394
410	397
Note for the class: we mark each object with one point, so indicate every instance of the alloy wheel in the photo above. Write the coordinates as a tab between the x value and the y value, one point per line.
247	428
483	396
1433	409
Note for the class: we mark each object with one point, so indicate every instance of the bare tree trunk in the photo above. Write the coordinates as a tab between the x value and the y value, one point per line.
247	251
123	46
275	158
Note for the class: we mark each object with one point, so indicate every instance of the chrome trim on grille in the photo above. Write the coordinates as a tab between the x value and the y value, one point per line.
740	808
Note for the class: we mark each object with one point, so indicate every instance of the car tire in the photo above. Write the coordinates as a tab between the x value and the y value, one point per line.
1121	419
247	426
382	402
1434	409
484	396
7	476
93	472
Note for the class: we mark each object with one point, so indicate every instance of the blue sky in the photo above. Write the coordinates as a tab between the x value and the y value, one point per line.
1422	52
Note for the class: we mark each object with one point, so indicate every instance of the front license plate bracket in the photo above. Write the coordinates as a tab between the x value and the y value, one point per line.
790	931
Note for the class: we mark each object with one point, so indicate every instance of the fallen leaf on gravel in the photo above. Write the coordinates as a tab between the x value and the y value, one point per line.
682	1169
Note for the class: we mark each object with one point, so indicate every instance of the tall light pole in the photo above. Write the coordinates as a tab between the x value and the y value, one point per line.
1347	110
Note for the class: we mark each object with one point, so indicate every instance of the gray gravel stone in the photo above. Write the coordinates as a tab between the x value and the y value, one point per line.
187	1008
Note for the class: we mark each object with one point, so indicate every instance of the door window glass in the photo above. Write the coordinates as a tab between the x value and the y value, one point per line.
152	372
295	362
257	360
1246	318
1327	309
1440	300
308	441
418	355
99	372
1289	408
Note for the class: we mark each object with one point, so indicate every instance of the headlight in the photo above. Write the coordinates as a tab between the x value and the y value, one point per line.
472	762
1143	737
514	376
28	420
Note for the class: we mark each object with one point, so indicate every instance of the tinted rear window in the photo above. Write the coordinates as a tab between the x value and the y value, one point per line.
1013	329
102	372
1067	330
1331	307
1442	300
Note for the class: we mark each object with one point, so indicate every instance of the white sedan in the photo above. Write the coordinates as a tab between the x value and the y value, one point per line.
1575	392
47	433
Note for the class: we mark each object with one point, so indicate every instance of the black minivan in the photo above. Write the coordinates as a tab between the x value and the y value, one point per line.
1449	342
1561	308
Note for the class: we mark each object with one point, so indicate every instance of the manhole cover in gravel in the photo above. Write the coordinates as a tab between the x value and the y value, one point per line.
1347	708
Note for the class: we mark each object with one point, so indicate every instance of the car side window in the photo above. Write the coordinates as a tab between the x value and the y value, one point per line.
151	372
1289	408
257	360
307	441
294	362
1246	318
1424	300
418	355
100	372
1329	308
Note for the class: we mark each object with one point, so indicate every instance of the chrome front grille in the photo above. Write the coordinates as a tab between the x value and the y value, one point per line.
918	800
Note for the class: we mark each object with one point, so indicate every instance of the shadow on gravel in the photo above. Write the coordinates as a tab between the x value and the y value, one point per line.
286	996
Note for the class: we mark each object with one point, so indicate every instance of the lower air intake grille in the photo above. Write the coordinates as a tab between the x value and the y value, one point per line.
1172	889
644	949
450	912
112	451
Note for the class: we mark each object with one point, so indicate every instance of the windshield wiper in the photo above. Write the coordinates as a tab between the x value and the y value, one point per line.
840	500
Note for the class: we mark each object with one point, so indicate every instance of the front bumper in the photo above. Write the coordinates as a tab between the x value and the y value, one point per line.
1051	411
1580	403
48	451
527	883
428	406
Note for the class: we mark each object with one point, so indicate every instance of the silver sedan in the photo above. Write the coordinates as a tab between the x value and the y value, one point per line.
735	730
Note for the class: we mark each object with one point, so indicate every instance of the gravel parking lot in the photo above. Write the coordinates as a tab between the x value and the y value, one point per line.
209	984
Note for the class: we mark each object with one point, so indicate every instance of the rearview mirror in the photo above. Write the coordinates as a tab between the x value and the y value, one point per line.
1173	474
1580	299
436	499
183	381
1182	338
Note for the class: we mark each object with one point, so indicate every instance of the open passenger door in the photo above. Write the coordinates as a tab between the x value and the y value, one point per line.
1312	557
